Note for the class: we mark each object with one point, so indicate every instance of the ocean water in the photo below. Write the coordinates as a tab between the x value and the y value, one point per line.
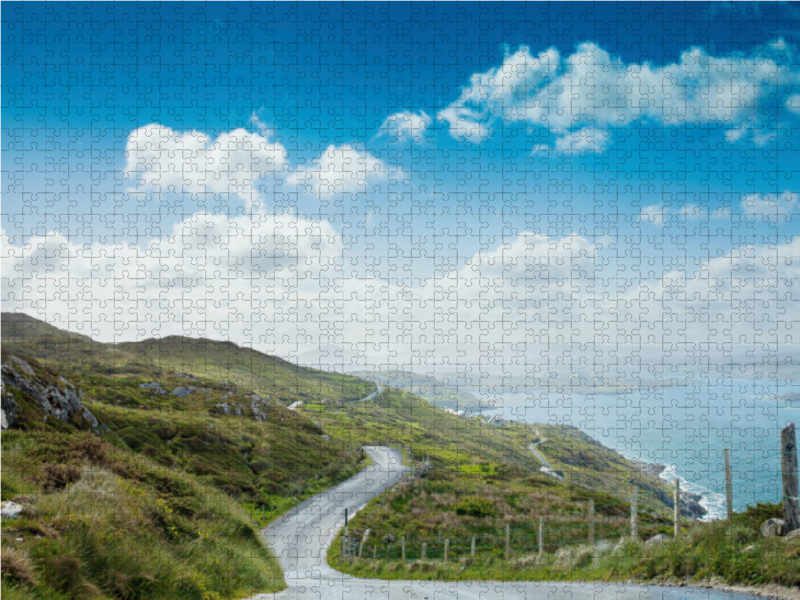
685	428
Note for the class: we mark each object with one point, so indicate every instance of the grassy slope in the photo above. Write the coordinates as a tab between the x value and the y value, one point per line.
245	464
733	552
454	443
165	462
249	370
103	522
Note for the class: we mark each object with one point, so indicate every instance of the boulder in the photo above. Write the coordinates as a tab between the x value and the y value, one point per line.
773	528
155	387
793	534
224	407
10	510
658	539
22	365
181	392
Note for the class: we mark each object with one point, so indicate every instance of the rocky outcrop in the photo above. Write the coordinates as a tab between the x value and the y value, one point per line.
773	528
259	406
690	503
55	396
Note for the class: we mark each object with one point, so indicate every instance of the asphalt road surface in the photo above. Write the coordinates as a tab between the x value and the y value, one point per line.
301	537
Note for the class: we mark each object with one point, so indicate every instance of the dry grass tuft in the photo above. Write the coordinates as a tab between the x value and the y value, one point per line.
16	565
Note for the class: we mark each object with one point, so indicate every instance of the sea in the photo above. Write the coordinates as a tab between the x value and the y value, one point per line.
686	428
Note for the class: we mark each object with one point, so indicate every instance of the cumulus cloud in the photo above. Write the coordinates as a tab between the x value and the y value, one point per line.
278	282
163	160
210	267
590	87
340	170
772	207
407	126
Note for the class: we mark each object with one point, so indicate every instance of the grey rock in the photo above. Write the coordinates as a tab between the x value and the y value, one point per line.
224	407
55	402
9	406
23	366
181	391
658	539
327	438
10	510
793	534
155	387
772	528
226	395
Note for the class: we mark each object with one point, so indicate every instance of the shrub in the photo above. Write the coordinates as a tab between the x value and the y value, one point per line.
475	507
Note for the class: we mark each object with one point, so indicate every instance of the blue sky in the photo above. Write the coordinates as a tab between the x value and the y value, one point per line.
406	145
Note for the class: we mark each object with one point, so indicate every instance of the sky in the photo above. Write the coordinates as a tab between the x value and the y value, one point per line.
549	190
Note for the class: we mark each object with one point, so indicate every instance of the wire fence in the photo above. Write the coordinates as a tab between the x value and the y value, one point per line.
549	533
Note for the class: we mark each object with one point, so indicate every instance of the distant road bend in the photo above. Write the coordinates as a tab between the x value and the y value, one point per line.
301	537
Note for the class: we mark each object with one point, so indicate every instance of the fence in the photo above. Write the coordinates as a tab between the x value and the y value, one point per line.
549	534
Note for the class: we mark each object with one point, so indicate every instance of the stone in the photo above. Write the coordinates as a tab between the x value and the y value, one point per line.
658	539
224	407
52	400
793	534
25	367
154	386
772	528
10	510
181	392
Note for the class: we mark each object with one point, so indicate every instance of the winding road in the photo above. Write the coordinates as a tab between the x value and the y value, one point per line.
301	537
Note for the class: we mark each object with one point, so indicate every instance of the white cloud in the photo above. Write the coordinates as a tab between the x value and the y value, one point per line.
653	213
407	126
279	282
341	170
211	267
163	160
772	207
588	139
593	88
658	214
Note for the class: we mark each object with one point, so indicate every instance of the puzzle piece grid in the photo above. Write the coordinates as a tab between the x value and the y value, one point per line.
579	213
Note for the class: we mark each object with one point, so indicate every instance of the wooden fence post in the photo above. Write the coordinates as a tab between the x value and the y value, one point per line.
508	542
446	550
591	523
677	510
791	504
728	485
541	536
423	554
374	552
403	546
635	515
472	550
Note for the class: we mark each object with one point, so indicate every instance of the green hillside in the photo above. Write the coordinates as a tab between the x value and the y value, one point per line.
194	439
221	361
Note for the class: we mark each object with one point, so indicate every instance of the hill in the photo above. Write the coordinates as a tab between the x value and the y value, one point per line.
195	436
